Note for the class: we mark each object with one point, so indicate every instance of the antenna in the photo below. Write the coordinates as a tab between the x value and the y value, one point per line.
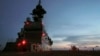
39	2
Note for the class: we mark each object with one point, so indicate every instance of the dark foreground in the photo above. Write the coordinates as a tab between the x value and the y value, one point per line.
52	53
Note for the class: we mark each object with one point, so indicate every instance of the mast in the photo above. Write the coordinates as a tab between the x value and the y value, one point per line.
38	12
39	2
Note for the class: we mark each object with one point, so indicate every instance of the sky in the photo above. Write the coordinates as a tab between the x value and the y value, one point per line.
67	22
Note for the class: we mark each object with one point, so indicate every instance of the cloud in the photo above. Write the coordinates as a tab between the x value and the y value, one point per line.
80	41
72	38
62	44
76	38
85	40
83	37
59	35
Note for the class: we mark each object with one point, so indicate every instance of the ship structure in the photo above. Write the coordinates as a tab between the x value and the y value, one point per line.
33	36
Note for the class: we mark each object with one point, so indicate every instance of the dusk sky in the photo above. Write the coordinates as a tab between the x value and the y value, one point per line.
67	22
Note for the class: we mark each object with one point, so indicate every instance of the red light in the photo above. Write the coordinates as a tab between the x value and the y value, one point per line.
19	44
24	42
43	34
27	23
